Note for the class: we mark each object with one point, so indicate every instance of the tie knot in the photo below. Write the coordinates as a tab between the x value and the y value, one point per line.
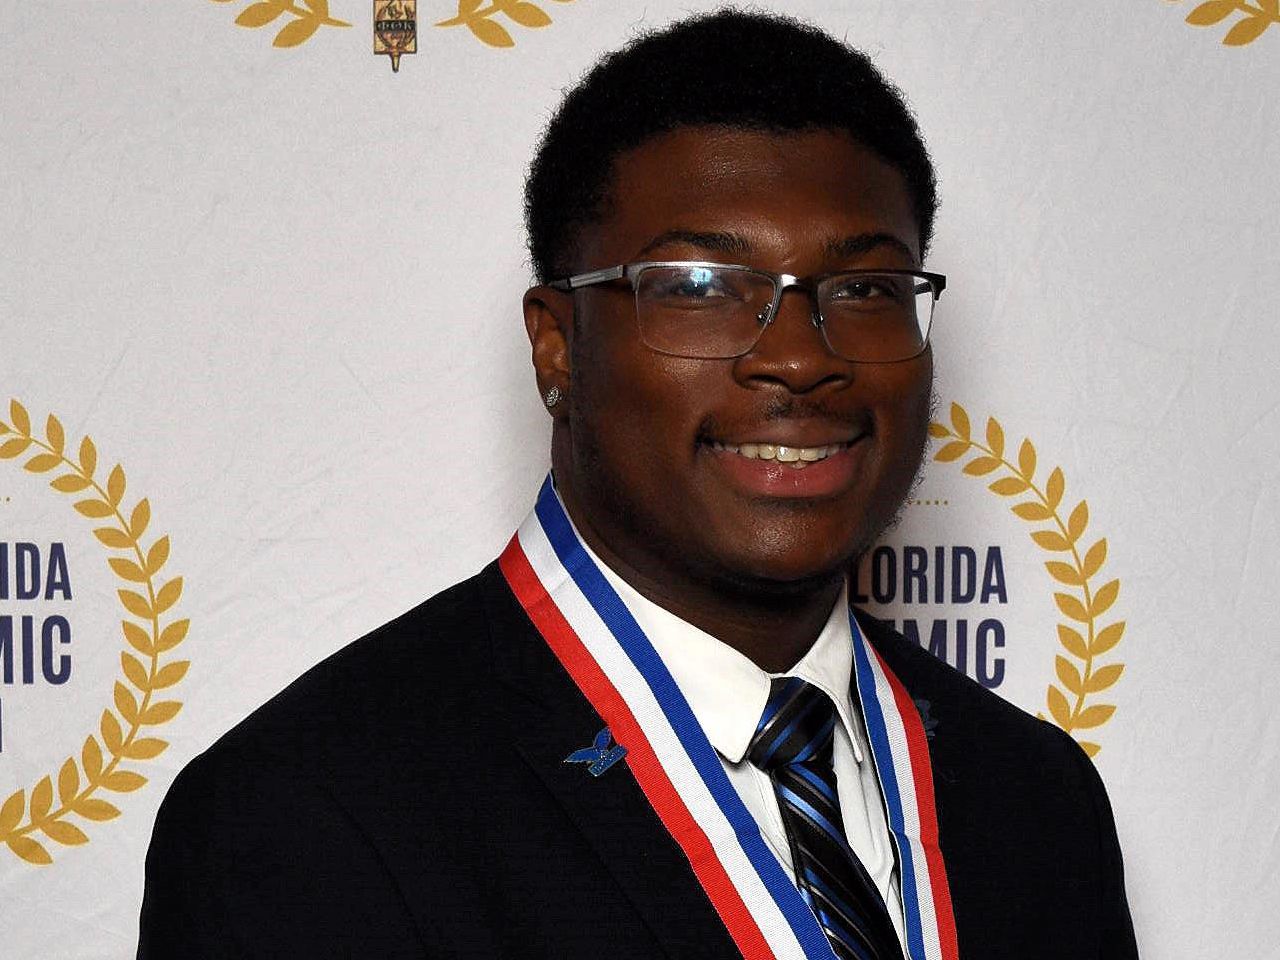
796	726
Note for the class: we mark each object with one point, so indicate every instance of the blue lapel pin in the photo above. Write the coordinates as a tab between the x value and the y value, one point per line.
599	755
929	723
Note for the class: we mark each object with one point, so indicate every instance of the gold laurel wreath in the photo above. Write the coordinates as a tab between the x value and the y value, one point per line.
122	742
309	17
1257	18
475	16
1084	611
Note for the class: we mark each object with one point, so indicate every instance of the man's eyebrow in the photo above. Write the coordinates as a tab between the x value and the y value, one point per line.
717	241
861	243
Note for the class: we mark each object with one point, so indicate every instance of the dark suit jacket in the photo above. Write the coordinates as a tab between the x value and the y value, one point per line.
408	797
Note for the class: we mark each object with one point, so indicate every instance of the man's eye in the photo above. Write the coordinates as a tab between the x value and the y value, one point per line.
696	284
860	290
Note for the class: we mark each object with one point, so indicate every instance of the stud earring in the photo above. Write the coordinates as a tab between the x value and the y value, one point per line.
552	397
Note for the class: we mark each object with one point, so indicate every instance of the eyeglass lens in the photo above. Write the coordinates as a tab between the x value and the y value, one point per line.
718	312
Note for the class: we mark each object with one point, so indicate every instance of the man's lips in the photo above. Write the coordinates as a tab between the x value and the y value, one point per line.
788	470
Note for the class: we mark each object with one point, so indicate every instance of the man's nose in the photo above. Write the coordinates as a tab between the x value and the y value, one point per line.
792	350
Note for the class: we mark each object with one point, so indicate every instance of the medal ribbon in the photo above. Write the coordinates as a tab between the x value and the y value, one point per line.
609	658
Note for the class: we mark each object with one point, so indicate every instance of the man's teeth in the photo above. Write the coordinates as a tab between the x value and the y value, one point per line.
798	457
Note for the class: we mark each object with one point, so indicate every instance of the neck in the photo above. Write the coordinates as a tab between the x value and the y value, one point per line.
772	624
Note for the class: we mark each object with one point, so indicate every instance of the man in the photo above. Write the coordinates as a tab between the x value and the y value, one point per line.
653	727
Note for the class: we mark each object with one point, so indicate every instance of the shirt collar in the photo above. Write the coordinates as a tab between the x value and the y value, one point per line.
725	690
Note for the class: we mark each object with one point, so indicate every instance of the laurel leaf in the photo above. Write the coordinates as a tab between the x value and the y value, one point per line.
980	466
146	748
1094	559
1073	641
115	485
1247	31
128	570
1064	573
139	519
951	451
1030	510
65	833
54	433
135	603
19	418
112	736
29	850
1090	749
995	437
1103	677
1071	607
526	14
42	463
1027	460
1104	598
93	808
135	671
1078	520
168	595
126	703
123	781
259	14
1107	638
11	448
157	555
69	483
95	509
4	428
172	635
959	421
486	31
1058	708
295	33
11	812
1068	674
938	430
91	757
41	799
68	781
1050	540
111	537
1270	7
319	7
1008	486
1211	12
136	637
1095	716
170	674
1055	488
161	712
88	457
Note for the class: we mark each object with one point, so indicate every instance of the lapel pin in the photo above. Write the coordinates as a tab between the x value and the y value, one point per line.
599	755
929	723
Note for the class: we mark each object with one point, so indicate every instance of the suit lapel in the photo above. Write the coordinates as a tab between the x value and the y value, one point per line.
550	719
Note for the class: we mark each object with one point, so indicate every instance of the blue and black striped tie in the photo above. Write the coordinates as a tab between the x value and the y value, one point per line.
793	745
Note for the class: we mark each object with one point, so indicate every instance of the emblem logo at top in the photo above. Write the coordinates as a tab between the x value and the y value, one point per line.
395	29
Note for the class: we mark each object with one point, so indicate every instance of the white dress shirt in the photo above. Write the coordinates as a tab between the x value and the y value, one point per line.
727	693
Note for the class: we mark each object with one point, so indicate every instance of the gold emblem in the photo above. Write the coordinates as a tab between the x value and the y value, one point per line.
395	29
1089	631
150	633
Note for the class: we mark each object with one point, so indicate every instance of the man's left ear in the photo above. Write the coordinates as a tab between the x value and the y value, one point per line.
548	320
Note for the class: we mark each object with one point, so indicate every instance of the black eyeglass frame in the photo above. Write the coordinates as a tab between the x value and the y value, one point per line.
782	282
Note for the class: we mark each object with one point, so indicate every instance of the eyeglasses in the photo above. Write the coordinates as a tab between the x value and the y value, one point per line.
719	311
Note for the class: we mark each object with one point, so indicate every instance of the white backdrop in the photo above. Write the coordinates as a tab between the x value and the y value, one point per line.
280	286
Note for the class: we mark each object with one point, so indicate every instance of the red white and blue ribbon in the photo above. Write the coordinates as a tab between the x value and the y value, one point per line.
608	656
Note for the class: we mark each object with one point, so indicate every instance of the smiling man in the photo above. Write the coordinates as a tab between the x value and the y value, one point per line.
654	727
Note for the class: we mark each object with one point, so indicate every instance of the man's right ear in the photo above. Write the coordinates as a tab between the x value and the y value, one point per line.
548	320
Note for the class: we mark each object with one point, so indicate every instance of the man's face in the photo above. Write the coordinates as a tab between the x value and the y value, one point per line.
639	453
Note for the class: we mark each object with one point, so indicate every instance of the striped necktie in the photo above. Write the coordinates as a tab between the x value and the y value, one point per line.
793	745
